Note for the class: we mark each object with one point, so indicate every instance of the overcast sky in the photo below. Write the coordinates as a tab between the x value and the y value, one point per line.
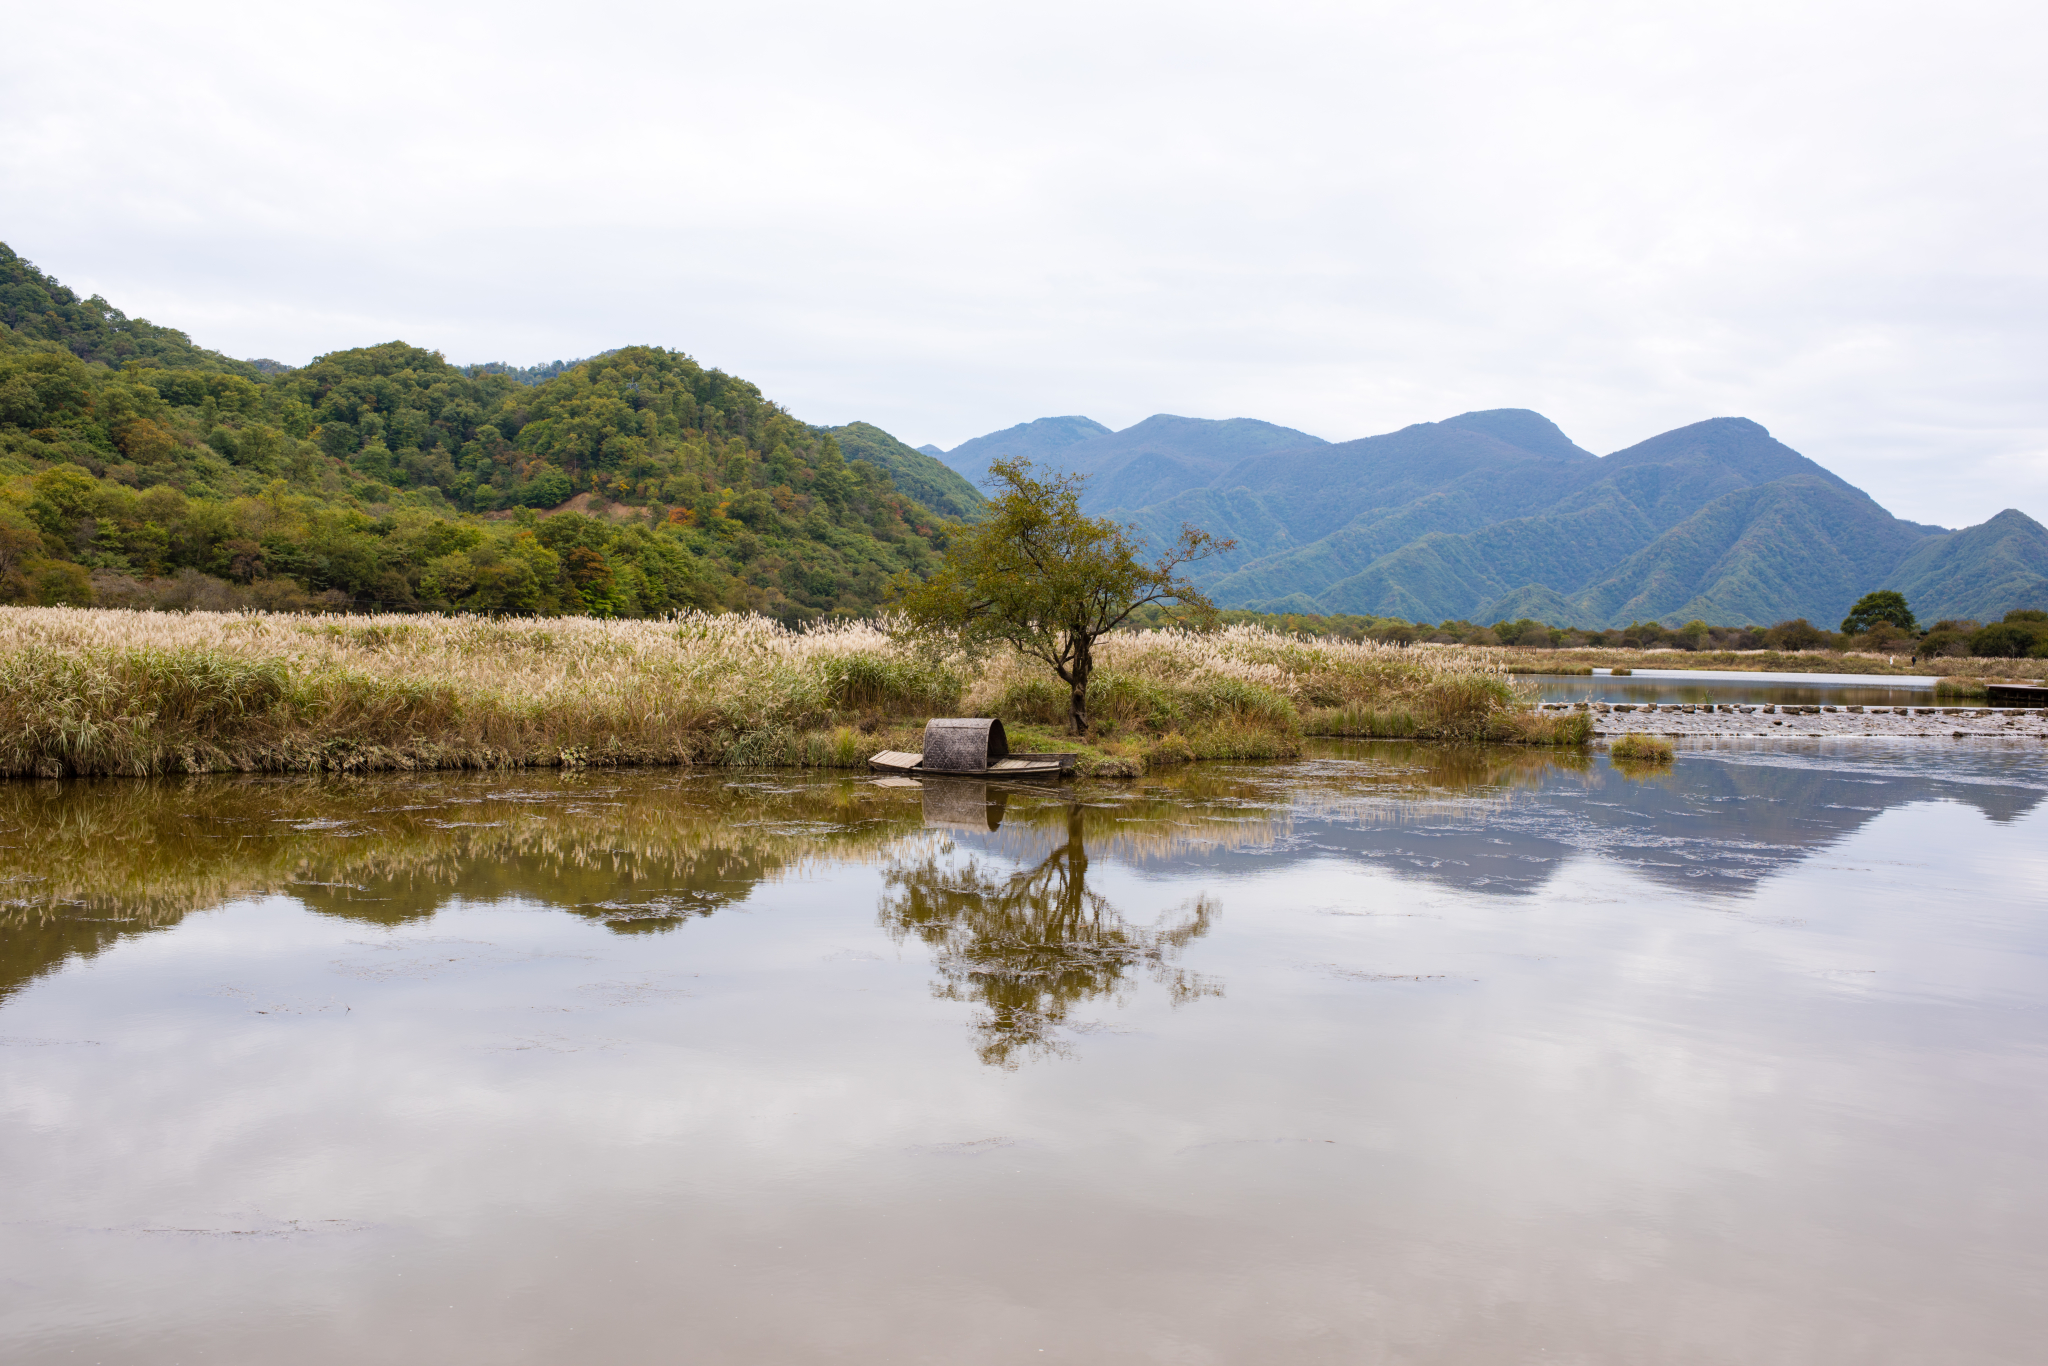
946	219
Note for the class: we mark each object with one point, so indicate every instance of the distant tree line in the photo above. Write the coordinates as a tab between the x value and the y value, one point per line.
1880	623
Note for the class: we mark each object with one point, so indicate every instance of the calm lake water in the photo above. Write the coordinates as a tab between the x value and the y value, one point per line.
1398	1054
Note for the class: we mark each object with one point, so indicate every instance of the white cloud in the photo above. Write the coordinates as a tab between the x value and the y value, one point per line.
946	220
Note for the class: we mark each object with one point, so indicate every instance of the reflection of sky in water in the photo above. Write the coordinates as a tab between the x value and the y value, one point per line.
1399	1054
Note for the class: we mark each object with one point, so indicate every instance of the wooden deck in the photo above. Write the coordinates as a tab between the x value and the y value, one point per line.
1015	766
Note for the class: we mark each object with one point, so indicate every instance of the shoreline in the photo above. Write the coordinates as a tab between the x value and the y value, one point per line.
1903	682
1747	665
1767	721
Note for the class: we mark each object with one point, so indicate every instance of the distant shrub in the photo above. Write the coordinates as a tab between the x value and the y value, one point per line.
1796	635
1944	641
2005	640
1884	638
2027	621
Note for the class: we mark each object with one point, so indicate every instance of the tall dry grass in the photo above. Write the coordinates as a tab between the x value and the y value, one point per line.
88	691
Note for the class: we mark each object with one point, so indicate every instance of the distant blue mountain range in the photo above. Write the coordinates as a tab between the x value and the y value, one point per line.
1498	514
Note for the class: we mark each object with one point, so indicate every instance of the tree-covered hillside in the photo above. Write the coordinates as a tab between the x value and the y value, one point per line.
915	473
137	468
32	305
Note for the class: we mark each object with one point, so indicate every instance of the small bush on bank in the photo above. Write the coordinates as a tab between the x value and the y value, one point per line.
1638	748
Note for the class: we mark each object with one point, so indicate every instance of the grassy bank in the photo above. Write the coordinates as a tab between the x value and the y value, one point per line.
86	691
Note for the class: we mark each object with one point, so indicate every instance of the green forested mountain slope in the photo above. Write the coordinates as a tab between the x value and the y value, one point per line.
34	306
1497	515
1038	441
385	475
1979	573
917	476
1164	454
1153	460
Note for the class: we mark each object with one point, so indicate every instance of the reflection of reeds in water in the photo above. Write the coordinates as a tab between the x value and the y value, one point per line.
93	862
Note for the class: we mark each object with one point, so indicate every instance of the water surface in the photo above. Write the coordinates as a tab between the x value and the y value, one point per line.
1399	1054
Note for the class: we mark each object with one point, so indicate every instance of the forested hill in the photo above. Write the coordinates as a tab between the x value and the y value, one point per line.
916	474
139	469
32	305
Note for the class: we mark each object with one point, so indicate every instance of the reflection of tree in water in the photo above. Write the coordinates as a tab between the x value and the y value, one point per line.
1032	944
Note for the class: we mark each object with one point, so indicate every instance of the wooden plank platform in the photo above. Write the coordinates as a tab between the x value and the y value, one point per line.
1015	766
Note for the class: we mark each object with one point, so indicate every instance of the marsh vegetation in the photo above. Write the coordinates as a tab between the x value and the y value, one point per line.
90	691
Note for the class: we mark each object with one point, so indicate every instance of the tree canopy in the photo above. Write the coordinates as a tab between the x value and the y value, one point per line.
1039	576
1882	605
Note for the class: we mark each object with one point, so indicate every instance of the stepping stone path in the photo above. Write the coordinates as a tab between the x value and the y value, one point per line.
1806	722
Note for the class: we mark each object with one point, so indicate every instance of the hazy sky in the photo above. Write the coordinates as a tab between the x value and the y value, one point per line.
945	219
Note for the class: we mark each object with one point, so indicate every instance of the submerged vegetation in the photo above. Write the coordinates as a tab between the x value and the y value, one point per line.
89	691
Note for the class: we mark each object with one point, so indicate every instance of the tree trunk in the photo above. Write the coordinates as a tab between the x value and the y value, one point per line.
1078	703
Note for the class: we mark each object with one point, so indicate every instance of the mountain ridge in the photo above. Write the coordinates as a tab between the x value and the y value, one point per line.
1497	514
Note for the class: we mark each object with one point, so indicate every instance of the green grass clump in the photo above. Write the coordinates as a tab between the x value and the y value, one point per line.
1948	689
1638	748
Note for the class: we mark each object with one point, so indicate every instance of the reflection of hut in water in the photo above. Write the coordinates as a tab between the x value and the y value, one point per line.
963	804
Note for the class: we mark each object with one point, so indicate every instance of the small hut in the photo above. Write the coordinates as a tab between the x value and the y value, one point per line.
962	744
970	745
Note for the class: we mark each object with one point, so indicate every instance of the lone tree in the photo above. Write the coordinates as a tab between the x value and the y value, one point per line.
1883	605
1038	575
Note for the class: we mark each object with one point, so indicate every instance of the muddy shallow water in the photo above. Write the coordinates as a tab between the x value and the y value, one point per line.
1399	1054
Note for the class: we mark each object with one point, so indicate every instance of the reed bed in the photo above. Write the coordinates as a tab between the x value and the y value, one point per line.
104	692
